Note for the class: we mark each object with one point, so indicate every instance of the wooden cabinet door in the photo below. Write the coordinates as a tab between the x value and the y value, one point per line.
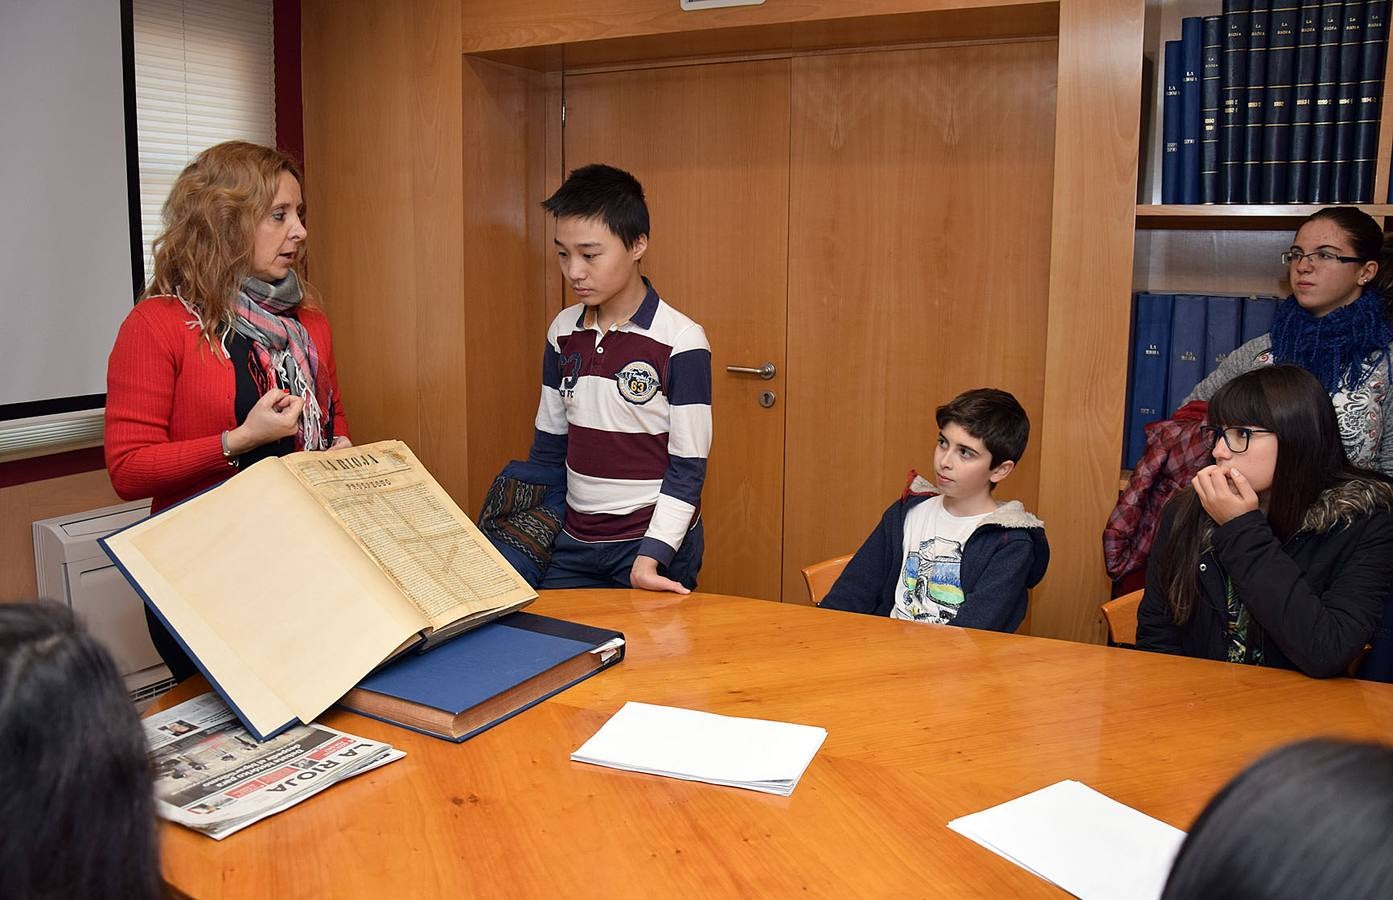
711	145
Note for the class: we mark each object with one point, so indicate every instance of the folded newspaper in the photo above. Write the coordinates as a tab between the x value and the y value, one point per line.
212	776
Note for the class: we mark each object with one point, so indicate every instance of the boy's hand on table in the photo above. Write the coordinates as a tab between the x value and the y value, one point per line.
644	576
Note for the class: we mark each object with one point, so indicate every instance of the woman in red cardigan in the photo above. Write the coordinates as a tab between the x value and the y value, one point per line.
227	360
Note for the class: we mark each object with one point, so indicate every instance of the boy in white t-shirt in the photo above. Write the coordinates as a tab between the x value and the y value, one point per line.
952	554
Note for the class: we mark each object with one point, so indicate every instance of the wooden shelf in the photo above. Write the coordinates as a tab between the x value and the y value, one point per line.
579	42
1253	216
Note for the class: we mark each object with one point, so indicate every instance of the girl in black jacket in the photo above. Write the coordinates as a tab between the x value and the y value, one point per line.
1282	552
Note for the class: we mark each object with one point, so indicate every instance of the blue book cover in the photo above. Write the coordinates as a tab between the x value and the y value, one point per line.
1370	94
1353	15
483	677
1259	19
1187	348
1303	99
1233	99
1282	32
1322	155
1150	353
1222	325
1257	317
1170	126
1191	60
1213	49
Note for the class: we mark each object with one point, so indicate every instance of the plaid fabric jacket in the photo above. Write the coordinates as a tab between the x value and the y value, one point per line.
1175	451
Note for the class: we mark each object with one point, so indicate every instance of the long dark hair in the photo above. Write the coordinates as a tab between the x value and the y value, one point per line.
1367	239
1286	400
1312	819
77	817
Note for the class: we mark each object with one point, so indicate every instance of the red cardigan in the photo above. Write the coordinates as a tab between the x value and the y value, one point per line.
169	398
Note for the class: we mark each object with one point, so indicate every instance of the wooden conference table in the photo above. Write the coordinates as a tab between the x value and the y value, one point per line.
924	724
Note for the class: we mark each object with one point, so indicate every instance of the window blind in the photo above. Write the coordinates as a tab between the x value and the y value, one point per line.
204	74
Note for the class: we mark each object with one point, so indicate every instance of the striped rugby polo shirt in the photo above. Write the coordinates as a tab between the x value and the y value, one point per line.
629	414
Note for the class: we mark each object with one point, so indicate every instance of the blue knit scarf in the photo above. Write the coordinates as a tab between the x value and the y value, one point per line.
1337	347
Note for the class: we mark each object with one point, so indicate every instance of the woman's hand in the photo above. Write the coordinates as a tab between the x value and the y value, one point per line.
276	415
1224	493
340	443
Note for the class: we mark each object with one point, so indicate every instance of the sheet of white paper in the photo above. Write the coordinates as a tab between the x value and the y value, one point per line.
608	648
1080	840
699	746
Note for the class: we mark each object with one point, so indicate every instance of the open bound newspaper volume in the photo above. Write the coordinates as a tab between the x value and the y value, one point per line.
290	582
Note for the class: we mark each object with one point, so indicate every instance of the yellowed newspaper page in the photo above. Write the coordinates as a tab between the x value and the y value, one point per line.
282	608
423	542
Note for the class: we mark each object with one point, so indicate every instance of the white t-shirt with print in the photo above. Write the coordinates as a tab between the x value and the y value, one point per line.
930	588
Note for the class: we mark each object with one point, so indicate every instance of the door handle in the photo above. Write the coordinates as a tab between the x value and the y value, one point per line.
766	371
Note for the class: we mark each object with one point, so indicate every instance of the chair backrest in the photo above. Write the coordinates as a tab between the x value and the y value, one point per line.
1121	615
821	576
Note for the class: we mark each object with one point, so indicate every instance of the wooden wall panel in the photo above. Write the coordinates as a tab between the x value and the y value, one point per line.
1090	276
383	144
513	118
918	268
23	504
360	181
436	205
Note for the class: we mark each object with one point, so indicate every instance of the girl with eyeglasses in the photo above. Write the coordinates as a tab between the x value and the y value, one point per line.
1281	553
1335	324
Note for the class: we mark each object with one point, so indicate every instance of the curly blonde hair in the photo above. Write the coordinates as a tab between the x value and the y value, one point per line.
210	219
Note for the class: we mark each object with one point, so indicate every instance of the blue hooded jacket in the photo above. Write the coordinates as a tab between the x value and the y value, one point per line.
1005	556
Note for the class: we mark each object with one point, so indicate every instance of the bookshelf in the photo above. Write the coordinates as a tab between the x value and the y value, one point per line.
1163	18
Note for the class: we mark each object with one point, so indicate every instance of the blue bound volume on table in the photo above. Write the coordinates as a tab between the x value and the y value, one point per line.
471	683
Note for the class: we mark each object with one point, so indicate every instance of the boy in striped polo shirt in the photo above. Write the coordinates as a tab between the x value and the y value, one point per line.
626	401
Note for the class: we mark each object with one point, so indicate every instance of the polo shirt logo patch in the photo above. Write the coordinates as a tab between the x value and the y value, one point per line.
570	365
637	382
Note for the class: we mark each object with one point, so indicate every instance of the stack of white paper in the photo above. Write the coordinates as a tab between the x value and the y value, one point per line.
697	746
1080	840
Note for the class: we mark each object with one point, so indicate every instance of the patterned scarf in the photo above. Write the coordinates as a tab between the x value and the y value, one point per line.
1337	347
286	352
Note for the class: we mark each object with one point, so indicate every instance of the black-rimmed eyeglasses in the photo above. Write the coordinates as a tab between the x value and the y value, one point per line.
1317	257
1235	437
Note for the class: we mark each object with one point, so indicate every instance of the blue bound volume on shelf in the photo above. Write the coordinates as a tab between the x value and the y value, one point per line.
1191	57
1150	354
1187	348
1170	126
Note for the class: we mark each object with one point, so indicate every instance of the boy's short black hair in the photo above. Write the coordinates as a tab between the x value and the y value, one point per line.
993	417
603	192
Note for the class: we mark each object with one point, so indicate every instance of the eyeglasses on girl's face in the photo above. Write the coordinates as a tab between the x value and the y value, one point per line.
1317	257
1235	437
